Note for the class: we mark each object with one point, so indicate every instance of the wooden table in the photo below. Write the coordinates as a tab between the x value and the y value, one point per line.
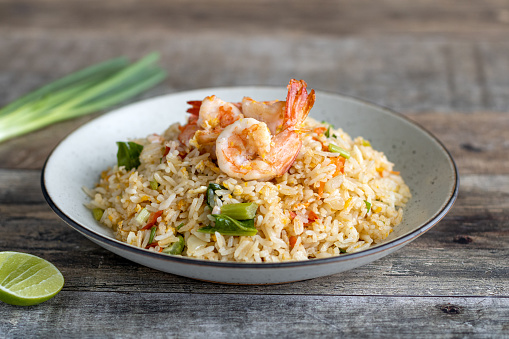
444	66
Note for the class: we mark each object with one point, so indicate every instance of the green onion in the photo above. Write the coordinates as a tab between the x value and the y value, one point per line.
83	92
368	206
327	132
365	143
152	234
180	226
175	248
240	211
154	184
336	149
210	193
341	250
228	226
142	217
97	213
128	154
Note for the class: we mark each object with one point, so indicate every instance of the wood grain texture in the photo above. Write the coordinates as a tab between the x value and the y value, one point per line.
197	315
330	17
424	74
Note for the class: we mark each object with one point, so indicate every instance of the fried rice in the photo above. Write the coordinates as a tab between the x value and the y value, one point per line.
323	206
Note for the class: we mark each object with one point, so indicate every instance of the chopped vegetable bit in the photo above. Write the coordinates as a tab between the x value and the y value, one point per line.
320	130
240	211
152	220
228	226
336	149
365	143
97	213
177	247
368	206
152	234
327	133
154	184
142	217
179	226
340	165
292	241
128	154
341	250
210	193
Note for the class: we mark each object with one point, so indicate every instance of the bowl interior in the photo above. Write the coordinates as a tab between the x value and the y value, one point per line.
424	163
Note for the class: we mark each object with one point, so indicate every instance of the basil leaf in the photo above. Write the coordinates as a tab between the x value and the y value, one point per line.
229	226
128	154
210	193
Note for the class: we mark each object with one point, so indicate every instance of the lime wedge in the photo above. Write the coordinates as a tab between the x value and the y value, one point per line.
27	280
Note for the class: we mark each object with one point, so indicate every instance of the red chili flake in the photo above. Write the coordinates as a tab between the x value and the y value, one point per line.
152	220
320	130
292	240
312	216
166	151
321	188
154	244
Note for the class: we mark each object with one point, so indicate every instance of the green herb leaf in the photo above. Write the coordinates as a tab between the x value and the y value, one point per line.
128	154
240	211
228	226
210	193
368	205
177	247
336	149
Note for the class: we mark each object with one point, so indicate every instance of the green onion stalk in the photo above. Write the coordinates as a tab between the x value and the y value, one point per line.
86	91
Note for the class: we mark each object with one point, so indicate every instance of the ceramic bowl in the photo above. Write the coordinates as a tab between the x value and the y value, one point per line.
425	164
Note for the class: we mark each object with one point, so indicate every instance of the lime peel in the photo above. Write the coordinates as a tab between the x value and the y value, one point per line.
26	279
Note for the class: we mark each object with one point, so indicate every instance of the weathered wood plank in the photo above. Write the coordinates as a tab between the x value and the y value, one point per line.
407	74
464	255
194	315
339	17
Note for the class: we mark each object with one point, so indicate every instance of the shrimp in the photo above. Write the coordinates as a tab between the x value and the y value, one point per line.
270	112
247	150
208	118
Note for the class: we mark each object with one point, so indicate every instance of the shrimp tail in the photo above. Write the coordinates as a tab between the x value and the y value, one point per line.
286	148
298	104
195	107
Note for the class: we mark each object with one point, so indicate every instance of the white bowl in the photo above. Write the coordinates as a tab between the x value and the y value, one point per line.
425	164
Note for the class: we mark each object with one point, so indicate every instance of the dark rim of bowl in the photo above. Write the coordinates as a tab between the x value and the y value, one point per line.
285	264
